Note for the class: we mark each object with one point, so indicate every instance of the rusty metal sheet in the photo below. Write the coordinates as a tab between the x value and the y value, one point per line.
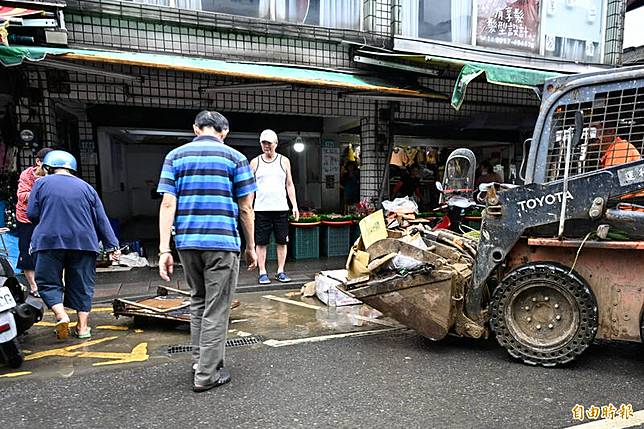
613	274
555	242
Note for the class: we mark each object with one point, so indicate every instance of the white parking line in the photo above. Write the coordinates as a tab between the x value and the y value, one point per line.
636	419
317	307
290	301
278	343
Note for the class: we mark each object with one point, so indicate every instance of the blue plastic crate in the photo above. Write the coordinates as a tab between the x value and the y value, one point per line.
305	242
336	240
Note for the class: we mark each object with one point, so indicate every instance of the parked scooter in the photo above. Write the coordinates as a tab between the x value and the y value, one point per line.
457	189
18	312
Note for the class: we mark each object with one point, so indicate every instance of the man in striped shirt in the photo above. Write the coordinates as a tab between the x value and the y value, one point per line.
205	186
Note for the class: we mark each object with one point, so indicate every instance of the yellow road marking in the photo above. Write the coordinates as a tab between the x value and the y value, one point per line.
113	327
94	310
53	324
138	354
15	374
73	324
636	419
278	343
67	351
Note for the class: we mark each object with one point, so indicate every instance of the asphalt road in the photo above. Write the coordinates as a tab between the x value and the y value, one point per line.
388	380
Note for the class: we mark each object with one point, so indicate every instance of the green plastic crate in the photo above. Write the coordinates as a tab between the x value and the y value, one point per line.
335	240
305	242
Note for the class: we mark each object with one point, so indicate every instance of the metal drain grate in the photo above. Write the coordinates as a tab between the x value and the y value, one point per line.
230	342
244	341
178	349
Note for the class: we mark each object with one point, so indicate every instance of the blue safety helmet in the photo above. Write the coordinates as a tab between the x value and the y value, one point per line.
60	159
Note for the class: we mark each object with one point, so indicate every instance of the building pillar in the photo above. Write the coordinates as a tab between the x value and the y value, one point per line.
371	162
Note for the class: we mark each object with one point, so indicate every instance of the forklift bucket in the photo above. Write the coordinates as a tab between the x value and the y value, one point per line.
421	301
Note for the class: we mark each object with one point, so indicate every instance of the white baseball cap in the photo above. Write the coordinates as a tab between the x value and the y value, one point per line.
268	136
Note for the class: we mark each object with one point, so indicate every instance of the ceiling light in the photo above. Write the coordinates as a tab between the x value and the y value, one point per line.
248	87
62	65
298	144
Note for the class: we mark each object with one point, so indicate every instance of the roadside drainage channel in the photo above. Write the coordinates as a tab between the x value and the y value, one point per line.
250	340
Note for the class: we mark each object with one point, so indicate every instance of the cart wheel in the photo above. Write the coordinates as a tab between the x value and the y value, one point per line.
544	314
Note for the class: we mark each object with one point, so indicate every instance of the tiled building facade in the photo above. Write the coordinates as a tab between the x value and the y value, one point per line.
62	102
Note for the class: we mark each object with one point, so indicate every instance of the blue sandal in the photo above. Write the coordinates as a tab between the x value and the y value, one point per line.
282	277
263	279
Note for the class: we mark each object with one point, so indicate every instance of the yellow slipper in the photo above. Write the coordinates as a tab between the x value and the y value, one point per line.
62	329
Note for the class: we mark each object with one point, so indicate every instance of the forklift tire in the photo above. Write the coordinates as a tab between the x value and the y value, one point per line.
544	314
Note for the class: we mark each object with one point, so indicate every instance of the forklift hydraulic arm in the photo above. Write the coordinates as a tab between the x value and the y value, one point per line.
510	212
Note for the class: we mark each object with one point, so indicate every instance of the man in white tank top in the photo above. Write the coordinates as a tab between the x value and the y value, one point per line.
274	185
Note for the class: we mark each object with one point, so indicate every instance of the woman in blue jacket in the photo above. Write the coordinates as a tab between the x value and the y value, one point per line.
70	222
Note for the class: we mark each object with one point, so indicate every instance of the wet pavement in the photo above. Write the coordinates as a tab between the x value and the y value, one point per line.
395	379
273	318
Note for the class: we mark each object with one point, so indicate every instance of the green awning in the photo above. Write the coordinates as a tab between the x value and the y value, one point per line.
14	55
495	74
469	70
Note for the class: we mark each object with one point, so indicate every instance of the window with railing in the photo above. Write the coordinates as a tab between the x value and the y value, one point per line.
345	14
567	29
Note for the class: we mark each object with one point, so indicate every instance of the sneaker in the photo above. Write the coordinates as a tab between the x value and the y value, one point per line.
263	279
282	277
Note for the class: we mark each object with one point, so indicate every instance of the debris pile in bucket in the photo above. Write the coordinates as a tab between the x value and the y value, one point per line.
413	274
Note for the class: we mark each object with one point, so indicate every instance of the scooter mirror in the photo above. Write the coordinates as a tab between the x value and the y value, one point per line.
439	186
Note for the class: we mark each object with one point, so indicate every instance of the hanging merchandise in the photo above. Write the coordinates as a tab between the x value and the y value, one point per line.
432	156
351	155
411	155
399	157
420	155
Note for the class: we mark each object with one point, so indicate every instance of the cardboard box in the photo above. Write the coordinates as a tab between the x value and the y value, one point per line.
326	288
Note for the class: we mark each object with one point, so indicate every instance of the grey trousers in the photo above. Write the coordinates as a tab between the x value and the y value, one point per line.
212	276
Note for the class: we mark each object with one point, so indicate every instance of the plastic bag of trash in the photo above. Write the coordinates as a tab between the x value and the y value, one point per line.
401	261
133	260
401	205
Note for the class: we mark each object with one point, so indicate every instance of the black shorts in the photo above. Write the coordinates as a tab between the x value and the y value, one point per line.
25	231
267	222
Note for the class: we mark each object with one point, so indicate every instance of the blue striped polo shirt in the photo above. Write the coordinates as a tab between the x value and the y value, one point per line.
207	177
